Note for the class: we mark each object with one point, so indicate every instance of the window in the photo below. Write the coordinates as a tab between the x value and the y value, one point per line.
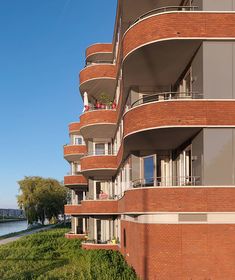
100	149
185	86
98	189
124	238
78	140
149	170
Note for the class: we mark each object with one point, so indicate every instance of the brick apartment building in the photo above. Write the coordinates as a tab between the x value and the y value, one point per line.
153	156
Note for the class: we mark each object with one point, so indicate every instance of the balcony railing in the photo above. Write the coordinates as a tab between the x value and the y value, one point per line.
164	10
102	107
88	63
150	97
110	241
101	153
103	196
167	181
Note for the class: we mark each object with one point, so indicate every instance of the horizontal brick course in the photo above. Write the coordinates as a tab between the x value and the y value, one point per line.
99	48
98	162
74	127
98	71
198	199
181	199
179	25
99	116
180	252
92	207
75	180
75	236
179	113
89	246
74	149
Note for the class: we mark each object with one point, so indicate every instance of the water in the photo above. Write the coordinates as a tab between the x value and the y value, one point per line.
10	227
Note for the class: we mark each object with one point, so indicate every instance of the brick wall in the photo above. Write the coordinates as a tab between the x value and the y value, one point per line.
75	236
88	246
74	149
205	25
74	127
91	207
178	200
99	48
99	116
98	162
75	179
180	113
98	71
180	252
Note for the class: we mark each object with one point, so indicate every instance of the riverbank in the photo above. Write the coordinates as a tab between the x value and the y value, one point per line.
49	255
12	220
4	239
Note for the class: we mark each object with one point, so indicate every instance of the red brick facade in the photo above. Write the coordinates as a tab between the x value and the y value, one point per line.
74	127
99	116
75	180
194	199
92	207
179	25
98	72
98	162
180	252
75	150
99	48
75	236
180	113
158	247
89	246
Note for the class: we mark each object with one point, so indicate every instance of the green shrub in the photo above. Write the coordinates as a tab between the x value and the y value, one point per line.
49	256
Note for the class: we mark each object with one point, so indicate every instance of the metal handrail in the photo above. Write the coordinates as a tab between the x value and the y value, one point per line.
98	198
93	108
98	62
165	9
167	181
103	153
166	96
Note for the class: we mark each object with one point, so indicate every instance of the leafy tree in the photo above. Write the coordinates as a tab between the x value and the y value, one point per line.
41	198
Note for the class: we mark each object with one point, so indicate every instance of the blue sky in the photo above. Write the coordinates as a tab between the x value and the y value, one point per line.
42	48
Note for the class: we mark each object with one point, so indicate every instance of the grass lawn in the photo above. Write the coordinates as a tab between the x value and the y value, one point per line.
48	255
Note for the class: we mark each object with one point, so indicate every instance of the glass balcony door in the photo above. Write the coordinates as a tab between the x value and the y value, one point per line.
149	170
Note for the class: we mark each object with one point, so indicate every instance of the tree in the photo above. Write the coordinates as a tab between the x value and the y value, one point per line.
41	198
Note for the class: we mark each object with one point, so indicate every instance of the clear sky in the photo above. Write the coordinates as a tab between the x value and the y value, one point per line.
42	48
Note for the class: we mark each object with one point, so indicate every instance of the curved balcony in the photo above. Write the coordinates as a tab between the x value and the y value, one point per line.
99	53
99	166
95	246
136	9
74	128
93	207
97	79
74	181
74	152
166	124
178	199
98	123
172	40
71	235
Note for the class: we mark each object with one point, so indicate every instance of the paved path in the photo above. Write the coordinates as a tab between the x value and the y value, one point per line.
14	238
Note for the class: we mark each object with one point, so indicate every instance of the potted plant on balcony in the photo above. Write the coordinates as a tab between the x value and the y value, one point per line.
97	105
114	240
114	105
105	101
